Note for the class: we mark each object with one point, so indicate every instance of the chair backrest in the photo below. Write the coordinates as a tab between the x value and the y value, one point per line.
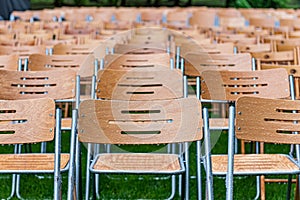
230	85
129	61
140	122
27	121
197	63
140	48
267	120
22	51
286	44
291	69
9	62
55	84
140	84
98	50
252	48
217	48
151	16
281	57
203	19
83	65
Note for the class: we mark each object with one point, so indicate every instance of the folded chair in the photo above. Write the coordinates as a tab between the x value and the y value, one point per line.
27	122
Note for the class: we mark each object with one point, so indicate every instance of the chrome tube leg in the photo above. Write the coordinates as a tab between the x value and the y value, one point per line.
87	185
198	163
231	140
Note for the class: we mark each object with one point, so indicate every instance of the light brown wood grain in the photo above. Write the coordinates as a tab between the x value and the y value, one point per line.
139	84
102	121
230	85
27	121
56	84
196	63
267	120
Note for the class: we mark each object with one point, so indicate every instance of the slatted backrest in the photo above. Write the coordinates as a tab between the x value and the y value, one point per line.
140	122
197	63
264	22
97	49
22	51
287	44
134	61
142	84
154	38
83	65
55	84
229	85
140	48
151	16
252	48
27	121
203	19
218	48
281	57
291	69
268	120
9	62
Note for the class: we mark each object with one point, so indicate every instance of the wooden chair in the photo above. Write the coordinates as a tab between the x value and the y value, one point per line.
273	122
33	121
228	86
137	90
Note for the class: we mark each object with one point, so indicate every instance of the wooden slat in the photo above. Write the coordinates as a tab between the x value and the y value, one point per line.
196	63
254	163
229	85
128	61
139	84
56	84
146	122
138	162
82	64
27	121
32	162
268	120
